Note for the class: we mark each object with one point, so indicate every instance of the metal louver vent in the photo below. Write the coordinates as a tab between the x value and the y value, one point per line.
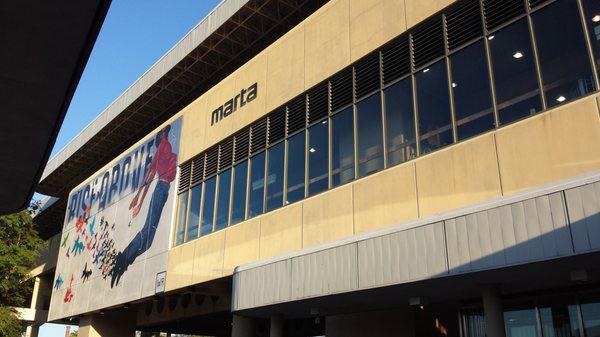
185	171
498	12
428	42
212	159
198	169
258	136
225	154
296	114
395	59
276	126
318	102
367	75
341	89
463	23
242	144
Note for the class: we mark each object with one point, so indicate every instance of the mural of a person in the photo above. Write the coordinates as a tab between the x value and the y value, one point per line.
164	164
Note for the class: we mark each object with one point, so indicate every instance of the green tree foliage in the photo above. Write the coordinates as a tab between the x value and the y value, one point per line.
19	246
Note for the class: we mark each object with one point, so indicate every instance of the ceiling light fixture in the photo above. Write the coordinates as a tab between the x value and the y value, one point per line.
425	70
561	99
454	85
518	55
491	37
312	150
596	18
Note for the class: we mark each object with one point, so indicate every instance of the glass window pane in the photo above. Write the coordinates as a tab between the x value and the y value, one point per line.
591	10
433	102
223	200
590	312
520	321
342	147
471	91
558	317
238	204
257	185
400	122
370	135
564	60
295	168
193	217
517	90
317	158
275	176
208	206
182	201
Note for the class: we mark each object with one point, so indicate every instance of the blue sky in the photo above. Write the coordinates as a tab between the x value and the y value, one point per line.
134	36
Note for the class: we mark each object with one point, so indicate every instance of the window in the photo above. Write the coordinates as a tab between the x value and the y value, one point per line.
238	204
520	320
433	106
317	158
471	91
275	176
223	200
558	317
208	206
182	201
295	167
194	213
257	185
592	18
400	122
513	64
564	61
370	135
342	147
590	312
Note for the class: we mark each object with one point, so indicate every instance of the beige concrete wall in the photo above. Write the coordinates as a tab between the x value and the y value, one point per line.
554	145
333	37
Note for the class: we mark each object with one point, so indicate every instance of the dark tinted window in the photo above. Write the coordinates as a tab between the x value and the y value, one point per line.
564	61
295	169
591	10
257	185
370	135
517	91
238	204
433	103
275	176
194	216
208	206
182	201
223	200
400	122
317	158
342	147
471	90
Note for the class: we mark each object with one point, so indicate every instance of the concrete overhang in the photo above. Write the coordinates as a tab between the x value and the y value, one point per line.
46	45
233	33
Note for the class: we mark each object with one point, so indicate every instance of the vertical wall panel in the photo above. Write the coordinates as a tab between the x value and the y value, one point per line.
583	204
404	256
325	272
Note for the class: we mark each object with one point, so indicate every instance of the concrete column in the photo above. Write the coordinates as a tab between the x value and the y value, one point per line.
35	293
32	331
242	327
492	308
276	326
115	325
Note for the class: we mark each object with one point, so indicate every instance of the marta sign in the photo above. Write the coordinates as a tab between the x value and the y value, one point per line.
229	107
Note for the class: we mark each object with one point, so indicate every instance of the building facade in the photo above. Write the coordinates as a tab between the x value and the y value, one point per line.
380	168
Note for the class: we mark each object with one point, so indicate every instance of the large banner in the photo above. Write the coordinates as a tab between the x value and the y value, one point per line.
117	227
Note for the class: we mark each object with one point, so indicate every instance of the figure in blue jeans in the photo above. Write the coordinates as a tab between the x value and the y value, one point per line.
164	164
